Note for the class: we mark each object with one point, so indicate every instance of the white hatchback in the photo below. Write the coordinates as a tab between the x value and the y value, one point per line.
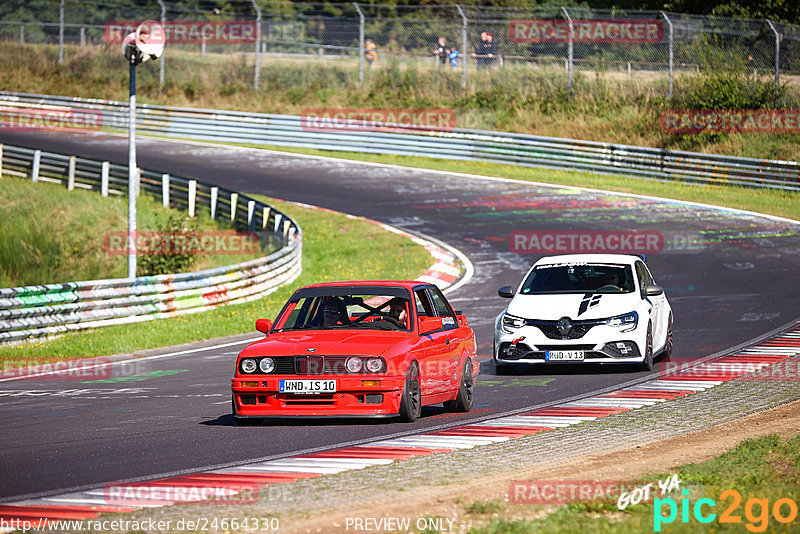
584	308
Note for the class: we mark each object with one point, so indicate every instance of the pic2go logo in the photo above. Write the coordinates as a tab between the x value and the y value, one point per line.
756	511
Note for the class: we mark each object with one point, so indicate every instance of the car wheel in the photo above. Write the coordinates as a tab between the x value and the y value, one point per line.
411	402
647	364
463	401
668	345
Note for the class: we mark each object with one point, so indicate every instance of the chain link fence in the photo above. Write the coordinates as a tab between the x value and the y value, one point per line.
456	48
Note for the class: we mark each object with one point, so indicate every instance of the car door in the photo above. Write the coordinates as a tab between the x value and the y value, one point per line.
435	348
455	339
645	279
662	317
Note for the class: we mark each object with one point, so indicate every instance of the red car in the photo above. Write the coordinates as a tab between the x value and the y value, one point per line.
358	349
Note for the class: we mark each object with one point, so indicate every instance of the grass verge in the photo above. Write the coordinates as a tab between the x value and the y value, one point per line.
335	247
753	486
66	241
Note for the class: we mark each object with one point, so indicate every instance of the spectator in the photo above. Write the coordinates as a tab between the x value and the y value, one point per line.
453	57
371	53
442	51
486	51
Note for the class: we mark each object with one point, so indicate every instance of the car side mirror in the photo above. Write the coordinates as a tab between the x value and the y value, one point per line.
506	292
462	319
429	324
653	290
263	325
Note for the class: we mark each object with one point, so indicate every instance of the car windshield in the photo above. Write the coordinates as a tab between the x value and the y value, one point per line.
331	308
579	278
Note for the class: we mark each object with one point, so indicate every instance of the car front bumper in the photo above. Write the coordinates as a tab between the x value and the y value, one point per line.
351	399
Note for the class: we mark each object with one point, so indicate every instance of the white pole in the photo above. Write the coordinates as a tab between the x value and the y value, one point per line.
165	190
71	174
234	201
163	25
258	43
214	195
133	175
61	34
37	159
192	196
104	178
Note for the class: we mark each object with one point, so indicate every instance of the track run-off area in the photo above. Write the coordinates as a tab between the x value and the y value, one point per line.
730	277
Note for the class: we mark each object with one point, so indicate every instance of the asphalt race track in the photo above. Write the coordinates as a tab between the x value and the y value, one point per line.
736	281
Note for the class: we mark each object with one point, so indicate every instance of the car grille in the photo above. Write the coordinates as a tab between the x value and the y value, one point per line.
550	329
310	365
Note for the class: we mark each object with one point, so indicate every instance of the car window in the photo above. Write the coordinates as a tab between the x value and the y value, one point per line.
424	306
579	278
442	308
643	276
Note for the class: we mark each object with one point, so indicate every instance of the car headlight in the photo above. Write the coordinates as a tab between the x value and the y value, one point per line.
509	323
374	365
625	322
267	365
354	364
249	365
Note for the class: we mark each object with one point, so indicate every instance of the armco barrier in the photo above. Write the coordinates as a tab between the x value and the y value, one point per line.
35	311
460	144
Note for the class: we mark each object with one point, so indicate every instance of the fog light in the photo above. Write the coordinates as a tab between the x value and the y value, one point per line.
370	382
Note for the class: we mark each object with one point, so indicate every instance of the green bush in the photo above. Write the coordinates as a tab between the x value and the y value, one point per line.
179	226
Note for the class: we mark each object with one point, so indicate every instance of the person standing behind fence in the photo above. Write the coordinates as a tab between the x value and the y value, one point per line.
486	51
442	51
371	54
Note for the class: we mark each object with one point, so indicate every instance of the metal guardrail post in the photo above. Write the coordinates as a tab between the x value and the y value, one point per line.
1	160
165	190
258	43
163	25
192	197
569	45
234	202
105	167
214	197
777	59
360	45
671	49
37	161
71	173
464	54
61	34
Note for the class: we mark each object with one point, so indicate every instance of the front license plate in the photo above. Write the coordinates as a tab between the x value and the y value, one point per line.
307	386
564	355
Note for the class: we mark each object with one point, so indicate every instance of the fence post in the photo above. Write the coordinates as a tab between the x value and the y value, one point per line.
61	34
165	190
214	196
265	217
258	43
203	47
251	210
104	168
360	45
83	35
37	160
1	160
161	62
22	34
464	54
569	46
234	201
192	197
671	49
71	173
777	59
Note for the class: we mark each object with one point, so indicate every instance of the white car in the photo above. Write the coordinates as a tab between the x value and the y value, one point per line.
584	308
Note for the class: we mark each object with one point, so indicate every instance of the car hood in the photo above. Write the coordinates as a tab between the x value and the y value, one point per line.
327	342
576	306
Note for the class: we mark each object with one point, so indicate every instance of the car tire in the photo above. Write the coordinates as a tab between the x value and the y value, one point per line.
463	401
411	402
668	344
647	363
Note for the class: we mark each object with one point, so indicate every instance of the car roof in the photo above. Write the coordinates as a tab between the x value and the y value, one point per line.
409	284
626	259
